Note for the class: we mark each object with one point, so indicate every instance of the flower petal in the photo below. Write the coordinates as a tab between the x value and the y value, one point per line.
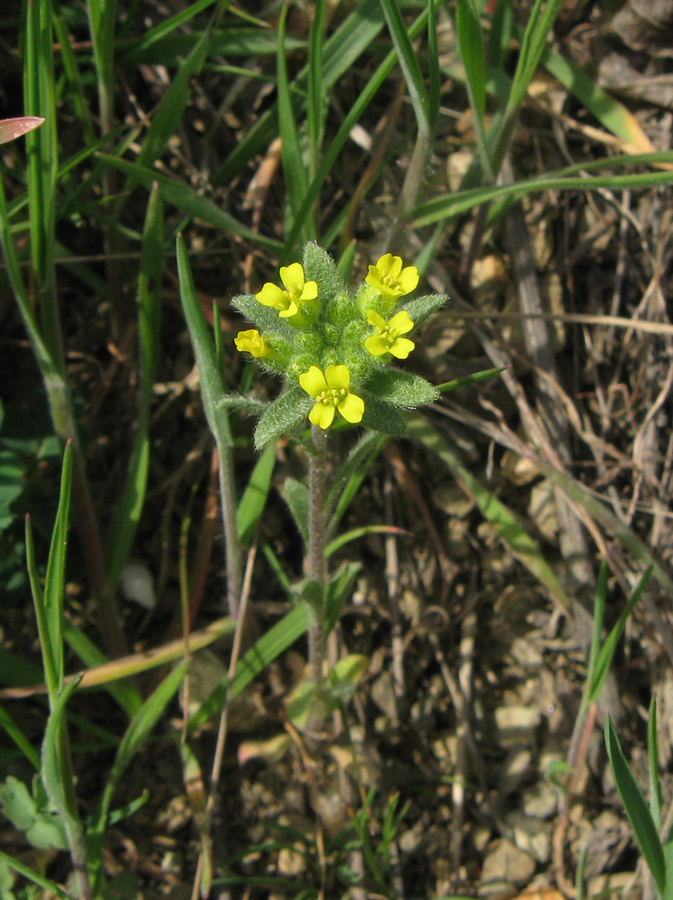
272	295
401	323
292	276
402	347
376	319
321	415
375	345
408	280
313	382
292	310
338	377
310	291
352	408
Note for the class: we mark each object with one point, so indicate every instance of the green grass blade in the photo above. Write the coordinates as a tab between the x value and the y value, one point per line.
501	34
55	778
19	738
254	497
42	153
212	383
188	201
468	379
294	170
653	760
607	652
452	205
408	63
137	733
34	877
55	578
127	514
533	45
612	114
340	51
316	100
523	547
166	119
599	613
471	46
126	695
277	639
636	809
73	76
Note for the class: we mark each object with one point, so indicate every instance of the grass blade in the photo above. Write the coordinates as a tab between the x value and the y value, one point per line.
266	649
636	809
127	514
408	63
519	542
653	759
19	738
294	170
212	389
254	497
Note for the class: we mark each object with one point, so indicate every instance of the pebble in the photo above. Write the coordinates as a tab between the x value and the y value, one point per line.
540	801
505	863
514	770
517	724
530	835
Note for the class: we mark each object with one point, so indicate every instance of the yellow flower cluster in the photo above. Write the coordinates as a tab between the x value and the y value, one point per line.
297	302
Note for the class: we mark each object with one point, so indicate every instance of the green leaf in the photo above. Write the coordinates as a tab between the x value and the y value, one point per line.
264	317
284	414
422	308
297	498
636	809
34	877
348	477
19	738
56	779
408	63
254	497
401	388
381	416
319	266
17	803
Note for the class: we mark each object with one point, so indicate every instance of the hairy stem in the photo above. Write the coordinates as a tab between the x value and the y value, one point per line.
317	570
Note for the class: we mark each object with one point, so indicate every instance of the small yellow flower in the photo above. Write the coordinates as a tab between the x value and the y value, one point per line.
330	392
390	279
297	290
388	339
251	341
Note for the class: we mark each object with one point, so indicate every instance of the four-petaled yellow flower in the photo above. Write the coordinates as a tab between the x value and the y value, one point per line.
388	339
390	279
297	290
251	341
330	392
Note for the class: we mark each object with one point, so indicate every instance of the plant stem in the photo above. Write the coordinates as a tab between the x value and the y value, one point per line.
317	570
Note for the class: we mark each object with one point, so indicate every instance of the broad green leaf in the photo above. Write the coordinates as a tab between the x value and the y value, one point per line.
637	812
284	414
422	308
401	388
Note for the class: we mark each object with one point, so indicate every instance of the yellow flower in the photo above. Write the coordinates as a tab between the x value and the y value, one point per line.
251	341
330	392
390	279
388	339
297	290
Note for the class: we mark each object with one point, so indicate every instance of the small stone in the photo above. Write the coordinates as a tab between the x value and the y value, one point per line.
517	724
505	863
540	801
530	835
514	770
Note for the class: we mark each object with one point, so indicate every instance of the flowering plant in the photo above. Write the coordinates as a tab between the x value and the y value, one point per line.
333	345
